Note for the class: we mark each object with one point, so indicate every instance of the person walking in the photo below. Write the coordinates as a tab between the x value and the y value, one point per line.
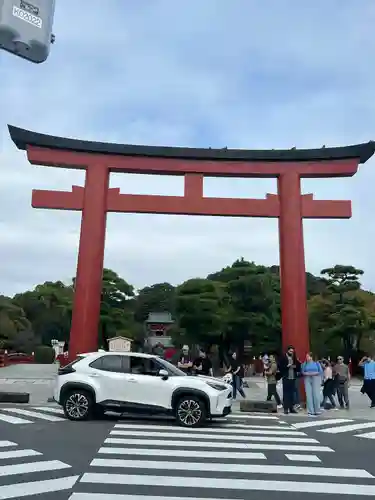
235	369
289	368
312	373
368	365
328	385
271	373
342	376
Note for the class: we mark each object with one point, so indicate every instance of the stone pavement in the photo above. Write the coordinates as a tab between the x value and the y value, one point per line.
32	378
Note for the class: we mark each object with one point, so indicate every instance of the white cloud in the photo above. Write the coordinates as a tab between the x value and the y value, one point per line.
215	73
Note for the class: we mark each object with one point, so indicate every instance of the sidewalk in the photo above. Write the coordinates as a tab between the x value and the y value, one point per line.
360	405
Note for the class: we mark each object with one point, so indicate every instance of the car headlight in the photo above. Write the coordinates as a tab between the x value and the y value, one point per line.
217	386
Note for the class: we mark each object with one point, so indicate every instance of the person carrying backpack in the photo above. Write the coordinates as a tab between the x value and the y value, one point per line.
273	375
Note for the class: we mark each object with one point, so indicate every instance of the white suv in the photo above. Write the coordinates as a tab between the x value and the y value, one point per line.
138	383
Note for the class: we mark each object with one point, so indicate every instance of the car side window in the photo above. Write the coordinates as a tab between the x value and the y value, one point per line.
152	367
137	365
109	364
144	366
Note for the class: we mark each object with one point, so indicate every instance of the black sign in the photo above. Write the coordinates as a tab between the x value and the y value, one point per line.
28	7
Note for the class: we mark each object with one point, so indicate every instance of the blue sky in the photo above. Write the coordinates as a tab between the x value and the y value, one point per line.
213	73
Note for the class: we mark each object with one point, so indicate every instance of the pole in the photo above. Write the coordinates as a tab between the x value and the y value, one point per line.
88	285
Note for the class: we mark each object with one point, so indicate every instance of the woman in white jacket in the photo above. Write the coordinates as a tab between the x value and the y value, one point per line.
328	384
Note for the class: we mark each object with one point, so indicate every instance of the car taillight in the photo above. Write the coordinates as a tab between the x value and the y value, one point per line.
66	370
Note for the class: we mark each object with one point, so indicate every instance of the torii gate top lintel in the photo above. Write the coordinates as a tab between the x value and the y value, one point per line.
50	150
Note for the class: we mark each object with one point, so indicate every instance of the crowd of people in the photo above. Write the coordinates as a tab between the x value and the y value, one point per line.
234	373
326	383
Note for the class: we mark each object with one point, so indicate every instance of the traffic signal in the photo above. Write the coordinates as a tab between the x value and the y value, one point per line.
26	28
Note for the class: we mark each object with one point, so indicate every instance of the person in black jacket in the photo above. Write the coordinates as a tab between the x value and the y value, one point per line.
290	369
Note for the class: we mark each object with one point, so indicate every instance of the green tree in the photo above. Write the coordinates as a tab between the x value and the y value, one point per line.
252	308
339	317
48	307
160	297
199	310
314	284
116	308
341	279
13	323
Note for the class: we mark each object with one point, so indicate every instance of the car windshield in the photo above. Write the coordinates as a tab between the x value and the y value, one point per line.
172	370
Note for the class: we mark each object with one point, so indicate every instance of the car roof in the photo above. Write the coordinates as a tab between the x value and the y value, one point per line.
122	353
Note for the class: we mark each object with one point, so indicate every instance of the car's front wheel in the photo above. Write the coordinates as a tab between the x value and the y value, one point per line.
190	412
78	405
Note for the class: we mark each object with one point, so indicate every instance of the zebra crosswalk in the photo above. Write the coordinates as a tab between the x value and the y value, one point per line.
31	415
17	415
338	426
24	473
152	461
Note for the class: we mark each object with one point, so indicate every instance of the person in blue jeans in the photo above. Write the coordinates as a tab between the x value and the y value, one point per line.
312	373
235	370
368	365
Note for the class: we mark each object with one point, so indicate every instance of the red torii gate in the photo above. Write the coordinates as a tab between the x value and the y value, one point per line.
95	199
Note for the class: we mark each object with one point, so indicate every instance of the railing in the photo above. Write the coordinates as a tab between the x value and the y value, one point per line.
15	358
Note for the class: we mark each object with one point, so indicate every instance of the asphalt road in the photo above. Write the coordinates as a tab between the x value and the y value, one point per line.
152	459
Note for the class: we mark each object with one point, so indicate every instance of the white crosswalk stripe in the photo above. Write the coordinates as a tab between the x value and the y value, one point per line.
320	423
136	458
257	436
50	409
367	435
236	468
17	479
11	419
223	429
255	416
302	458
348	428
338	426
105	496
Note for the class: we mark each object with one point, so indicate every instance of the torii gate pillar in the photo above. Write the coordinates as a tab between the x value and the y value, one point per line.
294	314
88	283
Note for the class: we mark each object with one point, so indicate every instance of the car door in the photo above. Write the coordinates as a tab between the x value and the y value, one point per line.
151	389
110	375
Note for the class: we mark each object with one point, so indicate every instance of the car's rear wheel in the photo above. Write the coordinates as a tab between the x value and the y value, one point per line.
78	405
191	412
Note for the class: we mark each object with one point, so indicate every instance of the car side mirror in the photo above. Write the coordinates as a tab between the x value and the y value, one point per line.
163	374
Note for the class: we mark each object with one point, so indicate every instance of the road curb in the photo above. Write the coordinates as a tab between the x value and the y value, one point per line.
14	397
250	406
